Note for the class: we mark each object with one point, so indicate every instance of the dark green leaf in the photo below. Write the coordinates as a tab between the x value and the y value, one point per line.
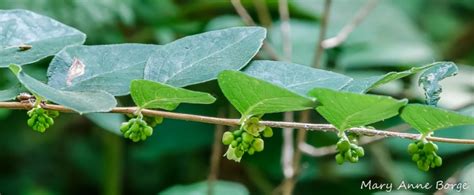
252	96
104	67
150	94
45	36
426	119
302	78
201	188
430	79
82	102
199	58
346	110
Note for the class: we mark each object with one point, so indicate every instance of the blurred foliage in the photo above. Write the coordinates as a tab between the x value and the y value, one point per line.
74	156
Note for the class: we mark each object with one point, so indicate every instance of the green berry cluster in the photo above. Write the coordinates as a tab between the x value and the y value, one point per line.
424	154
348	151
136	129
41	119
247	139
152	121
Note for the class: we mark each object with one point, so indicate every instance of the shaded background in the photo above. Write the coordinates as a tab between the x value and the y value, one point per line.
78	155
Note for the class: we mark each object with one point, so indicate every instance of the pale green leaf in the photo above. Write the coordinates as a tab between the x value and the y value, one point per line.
201	188
346	110
366	84
430	79
108	68
150	94
252	96
82	102
426	118
302	78
45	35
199	58
108	121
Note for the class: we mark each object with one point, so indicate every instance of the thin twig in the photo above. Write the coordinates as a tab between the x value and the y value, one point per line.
263	14
235	122
245	16
351	26
327	150
322	34
216	153
285	28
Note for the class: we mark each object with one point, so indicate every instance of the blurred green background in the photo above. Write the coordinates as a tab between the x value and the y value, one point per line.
82	155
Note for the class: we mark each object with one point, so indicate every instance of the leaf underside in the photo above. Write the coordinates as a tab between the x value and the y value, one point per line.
45	36
82	102
199	58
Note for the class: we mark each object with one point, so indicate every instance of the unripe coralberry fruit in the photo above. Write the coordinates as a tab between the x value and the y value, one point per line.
258	145
343	145
339	159
267	132
227	138
40	120
247	137
424	154
348	151
136	129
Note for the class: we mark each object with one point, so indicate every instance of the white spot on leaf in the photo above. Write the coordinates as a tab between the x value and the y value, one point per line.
77	69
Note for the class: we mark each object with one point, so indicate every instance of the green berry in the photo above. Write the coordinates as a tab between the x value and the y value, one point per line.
412	148
354	159
343	145
438	161
339	159
415	157
234	143
267	132
237	133
227	138
429	147
258	145
348	155
360	151
251	151
247	137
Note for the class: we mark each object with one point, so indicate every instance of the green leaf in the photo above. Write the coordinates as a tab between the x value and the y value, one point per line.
11	93
252	96
346	110
201	188
366	84
109	68
45	35
302	78
199	58
150	94
426	118
82	102
430	79
108	121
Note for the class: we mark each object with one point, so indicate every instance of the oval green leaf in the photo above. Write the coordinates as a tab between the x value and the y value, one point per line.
150	94
199	58
109	68
426	118
302	78
346	110
81	102
22	29
252	96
